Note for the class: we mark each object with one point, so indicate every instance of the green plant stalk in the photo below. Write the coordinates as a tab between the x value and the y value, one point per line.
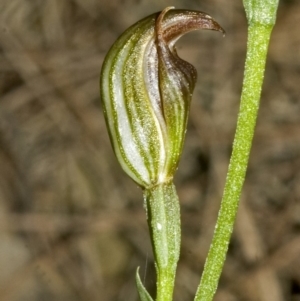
261	16
163	214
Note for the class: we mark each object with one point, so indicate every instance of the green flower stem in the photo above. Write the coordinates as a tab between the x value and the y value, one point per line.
261	16
163	213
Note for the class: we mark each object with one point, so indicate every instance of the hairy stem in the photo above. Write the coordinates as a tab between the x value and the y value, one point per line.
163	213
261	16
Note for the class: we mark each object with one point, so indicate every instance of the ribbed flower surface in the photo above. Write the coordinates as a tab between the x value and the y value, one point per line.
146	90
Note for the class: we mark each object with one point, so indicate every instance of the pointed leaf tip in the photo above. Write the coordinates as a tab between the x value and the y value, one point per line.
144	295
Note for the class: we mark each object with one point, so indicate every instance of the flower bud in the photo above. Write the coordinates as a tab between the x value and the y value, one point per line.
146	90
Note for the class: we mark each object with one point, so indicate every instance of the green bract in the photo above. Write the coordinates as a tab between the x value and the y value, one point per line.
146	91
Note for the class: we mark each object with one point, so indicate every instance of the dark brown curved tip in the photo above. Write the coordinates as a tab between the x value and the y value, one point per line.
187	21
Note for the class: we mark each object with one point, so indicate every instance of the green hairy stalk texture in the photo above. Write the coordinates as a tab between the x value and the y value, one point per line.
261	16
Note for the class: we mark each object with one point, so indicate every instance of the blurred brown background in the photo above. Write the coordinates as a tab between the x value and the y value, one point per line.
72	224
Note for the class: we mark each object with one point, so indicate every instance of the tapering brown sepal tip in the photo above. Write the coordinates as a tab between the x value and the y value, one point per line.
193	20
218	27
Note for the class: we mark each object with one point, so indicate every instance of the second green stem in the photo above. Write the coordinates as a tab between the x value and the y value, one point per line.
258	41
